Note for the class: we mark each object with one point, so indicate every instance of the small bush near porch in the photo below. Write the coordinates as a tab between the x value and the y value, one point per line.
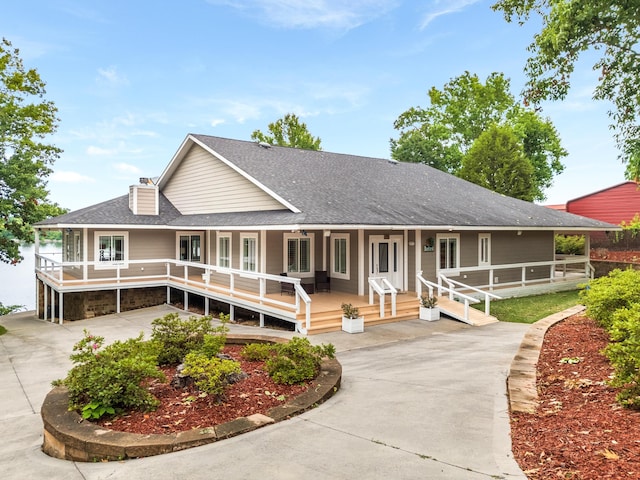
533	308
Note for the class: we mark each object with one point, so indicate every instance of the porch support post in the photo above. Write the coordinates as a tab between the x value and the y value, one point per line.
208	252
186	301
418	253
85	253
117	300
53	305
232	312
61	308
45	301
37	298
587	253
261	320
361	266
206	306
263	251
405	261
168	295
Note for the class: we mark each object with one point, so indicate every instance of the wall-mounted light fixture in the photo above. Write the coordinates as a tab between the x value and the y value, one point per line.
519	232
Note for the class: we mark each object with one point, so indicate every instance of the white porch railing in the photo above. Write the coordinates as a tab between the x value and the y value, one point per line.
452	293
164	273
382	286
558	270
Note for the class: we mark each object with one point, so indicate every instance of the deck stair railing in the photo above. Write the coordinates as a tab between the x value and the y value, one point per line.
452	293
382	287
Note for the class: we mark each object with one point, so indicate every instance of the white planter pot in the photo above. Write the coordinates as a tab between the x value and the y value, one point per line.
353	325
429	314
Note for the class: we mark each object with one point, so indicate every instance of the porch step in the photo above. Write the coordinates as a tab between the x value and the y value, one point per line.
407	308
331	320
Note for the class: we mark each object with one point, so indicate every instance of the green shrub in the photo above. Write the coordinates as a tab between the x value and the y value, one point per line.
624	354
297	361
212	344
105	381
3	330
570	244
258	352
604	295
210	373
177	337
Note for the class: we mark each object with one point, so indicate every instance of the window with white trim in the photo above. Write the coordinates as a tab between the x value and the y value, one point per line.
484	249
189	246
448	251
224	250
298	254
249	252
340	255
111	249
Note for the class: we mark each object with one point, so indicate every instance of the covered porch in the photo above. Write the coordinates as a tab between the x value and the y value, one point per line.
284	298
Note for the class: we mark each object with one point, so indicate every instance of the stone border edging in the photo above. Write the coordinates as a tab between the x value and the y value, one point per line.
67	436
521	381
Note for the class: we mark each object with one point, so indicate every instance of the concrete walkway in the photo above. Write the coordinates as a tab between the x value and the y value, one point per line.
423	400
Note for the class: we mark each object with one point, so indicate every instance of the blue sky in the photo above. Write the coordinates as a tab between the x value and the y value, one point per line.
132	78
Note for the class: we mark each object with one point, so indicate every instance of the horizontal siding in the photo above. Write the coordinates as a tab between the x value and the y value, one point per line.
613	205
146	201
203	184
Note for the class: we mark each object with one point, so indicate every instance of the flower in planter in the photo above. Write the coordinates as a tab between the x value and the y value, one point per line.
428	301
349	311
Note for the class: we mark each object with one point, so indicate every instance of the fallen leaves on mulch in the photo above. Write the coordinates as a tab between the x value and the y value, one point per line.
626	256
579	431
187	408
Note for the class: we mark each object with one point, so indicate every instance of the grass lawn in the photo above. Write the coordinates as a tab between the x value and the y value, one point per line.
531	309
2	330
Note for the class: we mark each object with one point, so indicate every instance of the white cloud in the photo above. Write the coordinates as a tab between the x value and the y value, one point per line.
70	177
126	168
110	76
439	8
308	14
217	121
98	151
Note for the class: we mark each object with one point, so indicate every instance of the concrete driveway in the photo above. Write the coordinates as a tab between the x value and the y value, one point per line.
419	400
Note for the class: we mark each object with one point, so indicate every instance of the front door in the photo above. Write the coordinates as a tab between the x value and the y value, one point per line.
386	259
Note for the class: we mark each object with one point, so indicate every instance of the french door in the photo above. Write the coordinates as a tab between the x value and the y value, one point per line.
386	259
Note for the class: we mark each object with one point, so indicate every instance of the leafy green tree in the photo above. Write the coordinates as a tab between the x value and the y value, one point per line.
441	134
496	161
25	160
571	27
288	132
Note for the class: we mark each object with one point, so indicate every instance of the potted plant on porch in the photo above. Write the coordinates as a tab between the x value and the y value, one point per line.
428	308
352	322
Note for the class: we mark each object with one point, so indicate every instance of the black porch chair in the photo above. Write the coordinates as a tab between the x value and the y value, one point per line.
286	287
323	282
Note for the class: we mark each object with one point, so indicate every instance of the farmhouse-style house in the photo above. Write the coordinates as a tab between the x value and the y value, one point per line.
292	234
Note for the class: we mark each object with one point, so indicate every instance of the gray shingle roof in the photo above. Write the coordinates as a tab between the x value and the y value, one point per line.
339	189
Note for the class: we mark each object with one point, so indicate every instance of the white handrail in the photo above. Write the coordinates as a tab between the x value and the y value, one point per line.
53	270
382	290
487	295
451	291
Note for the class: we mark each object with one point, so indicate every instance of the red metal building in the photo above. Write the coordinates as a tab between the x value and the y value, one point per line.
613	205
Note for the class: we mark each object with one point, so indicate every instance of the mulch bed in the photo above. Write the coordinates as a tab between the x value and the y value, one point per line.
579	431
187	408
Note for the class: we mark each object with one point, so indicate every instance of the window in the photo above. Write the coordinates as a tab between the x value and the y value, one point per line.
111	249
224	250
249	252
189	247
448	252
298	254
484	249
340	255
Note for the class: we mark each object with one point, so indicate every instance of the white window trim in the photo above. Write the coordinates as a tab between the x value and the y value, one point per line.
481	237
285	243
242	258
189	234
448	271
334	274
229	236
98	265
